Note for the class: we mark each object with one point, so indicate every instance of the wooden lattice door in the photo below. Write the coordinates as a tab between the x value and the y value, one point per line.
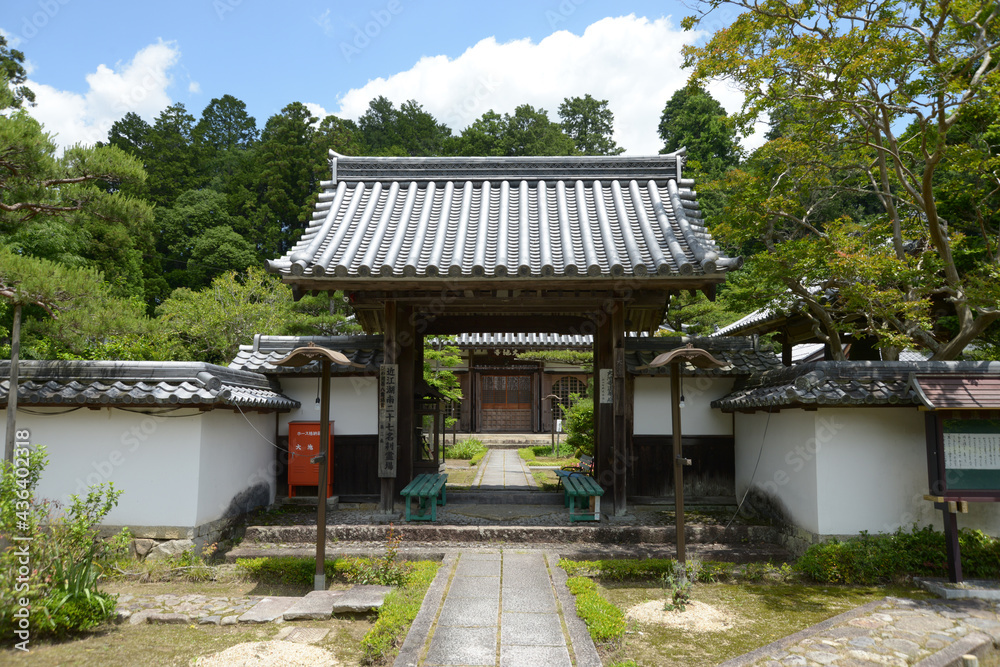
506	402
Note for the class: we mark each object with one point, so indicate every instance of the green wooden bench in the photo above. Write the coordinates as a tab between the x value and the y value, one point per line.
579	490
428	491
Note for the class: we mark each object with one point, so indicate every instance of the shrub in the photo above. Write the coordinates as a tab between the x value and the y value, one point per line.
579	423
677	590
605	621
383	571
872	559
467	449
64	553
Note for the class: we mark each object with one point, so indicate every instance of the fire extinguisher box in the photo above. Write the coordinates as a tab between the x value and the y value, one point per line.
303	445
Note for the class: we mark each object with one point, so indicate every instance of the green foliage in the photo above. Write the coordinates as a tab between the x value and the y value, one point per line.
527	132
573	357
214	322
579	425
286	570
563	450
466	449
871	187
676	590
605	621
397	613
409	130
386	570
63	555
439	358
590	124
693	119
889	557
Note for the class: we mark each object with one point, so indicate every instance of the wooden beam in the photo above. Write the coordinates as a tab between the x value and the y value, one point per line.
603	403
457	324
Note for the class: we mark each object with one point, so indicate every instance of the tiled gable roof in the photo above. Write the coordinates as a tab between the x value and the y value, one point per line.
260	357
531	217
741	355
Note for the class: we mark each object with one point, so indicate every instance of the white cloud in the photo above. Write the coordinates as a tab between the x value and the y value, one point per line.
633	62
194	87
316	110
139	86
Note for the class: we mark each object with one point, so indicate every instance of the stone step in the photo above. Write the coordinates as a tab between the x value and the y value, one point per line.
604	533
508	440
736	552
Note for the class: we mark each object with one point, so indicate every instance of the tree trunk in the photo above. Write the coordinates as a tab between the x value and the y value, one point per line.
15	351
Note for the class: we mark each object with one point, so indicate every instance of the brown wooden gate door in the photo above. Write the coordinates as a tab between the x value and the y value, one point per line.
506	403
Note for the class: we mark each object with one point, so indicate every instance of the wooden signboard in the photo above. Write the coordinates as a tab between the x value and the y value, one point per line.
971	455
607	385
388	419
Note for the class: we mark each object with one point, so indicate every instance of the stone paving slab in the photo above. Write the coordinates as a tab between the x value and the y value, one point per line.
302	635
268	609
360	599
316	605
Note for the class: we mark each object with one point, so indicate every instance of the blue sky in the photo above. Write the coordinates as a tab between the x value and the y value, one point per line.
90	65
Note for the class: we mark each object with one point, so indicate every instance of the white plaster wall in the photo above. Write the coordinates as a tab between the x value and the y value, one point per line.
353	404
786	471
236	454
153	460
652	406
872	470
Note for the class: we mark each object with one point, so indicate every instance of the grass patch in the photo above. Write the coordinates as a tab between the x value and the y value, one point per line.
398	611
460	477
605	621
761	614
654	569
546	480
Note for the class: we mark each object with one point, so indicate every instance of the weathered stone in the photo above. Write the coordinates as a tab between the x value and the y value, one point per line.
142	547
267	610
317	605
922	624
822	657
173	619
360	599
307	635
169	549
210	620
123	615
229	620
904	646
140	616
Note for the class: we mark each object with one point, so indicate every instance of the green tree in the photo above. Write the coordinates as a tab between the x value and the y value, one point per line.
590	124
693	119
12	69
409	130
219	250
214	322
171	159
845	78
49	287
528	131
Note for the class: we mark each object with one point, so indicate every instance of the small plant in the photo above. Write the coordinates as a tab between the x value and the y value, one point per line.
580	426
384	571
677	589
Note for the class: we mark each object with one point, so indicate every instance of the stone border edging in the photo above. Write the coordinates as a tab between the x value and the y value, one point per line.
781	644
951	656
583	646
420	629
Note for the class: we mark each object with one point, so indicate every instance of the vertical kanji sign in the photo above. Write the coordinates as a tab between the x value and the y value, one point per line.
388	413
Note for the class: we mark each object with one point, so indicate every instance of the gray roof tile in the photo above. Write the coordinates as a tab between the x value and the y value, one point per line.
141	383
740	354
521	217
260	357
840	383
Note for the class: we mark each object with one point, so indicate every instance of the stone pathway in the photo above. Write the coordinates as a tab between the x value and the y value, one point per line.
493	607
892	631
503	470
204	610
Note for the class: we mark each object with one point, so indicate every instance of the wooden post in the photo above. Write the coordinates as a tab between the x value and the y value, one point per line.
319	580
675	409
620	459
407	345
951	544
390	356
603	404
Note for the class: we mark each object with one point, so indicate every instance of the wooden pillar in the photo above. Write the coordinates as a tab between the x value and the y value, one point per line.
407	344
604	433
620	445
786	352
630	429
390	353
952	549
